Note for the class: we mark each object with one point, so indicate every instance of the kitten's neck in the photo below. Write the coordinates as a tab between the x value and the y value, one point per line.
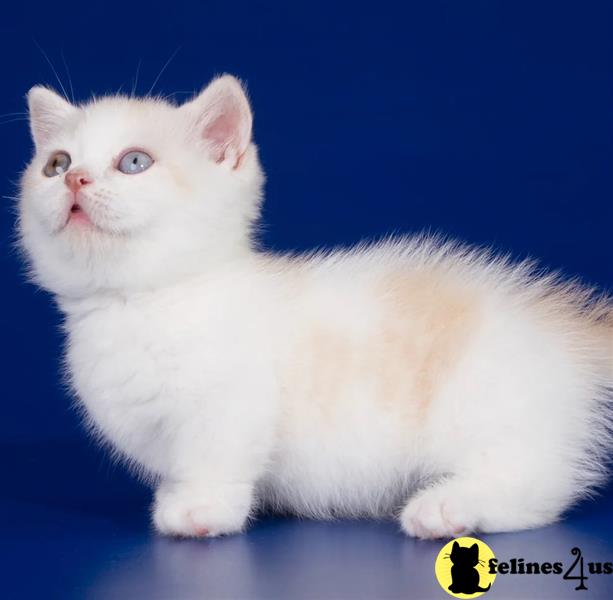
86	301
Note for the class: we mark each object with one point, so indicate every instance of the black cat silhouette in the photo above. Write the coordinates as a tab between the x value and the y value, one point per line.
464	576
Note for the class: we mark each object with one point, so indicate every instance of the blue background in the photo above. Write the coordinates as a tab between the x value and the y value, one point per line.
489	121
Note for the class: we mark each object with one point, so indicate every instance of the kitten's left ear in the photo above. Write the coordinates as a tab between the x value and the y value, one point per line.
223	118
48	112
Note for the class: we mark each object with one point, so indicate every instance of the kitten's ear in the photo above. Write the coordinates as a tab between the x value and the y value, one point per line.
475	549
456	546
222	115
48	112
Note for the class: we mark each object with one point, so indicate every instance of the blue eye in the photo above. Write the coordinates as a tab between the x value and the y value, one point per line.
134	162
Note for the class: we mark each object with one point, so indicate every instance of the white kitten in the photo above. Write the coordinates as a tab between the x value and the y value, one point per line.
409	377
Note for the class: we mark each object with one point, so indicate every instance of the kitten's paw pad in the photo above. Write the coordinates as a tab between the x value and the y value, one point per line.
193	514
434	514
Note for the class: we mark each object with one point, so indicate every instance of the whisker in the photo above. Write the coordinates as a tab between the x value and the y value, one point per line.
167	96
22	119
162	70
140	60
68	74
53	69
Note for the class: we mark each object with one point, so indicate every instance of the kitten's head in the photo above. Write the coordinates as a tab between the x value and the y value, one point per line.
126	193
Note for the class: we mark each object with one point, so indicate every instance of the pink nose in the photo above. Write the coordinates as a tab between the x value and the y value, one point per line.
76	179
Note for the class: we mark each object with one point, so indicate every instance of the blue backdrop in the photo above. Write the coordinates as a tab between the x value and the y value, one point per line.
489	121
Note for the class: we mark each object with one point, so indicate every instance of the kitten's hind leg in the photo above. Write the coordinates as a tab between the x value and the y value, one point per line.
479	500
522	428
435	512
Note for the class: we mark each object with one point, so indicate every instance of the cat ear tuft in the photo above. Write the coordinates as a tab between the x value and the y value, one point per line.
48	112
456	546
223	118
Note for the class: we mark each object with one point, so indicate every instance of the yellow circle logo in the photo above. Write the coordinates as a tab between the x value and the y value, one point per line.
462	568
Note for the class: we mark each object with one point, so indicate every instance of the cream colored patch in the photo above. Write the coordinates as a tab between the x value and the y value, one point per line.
178	176
397	364
425	331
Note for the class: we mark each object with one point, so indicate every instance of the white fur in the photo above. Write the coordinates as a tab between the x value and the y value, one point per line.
186	345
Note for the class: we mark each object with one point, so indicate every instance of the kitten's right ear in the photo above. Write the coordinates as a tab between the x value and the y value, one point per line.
222	116
48	112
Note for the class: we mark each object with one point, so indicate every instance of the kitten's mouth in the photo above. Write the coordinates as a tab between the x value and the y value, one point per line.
78	215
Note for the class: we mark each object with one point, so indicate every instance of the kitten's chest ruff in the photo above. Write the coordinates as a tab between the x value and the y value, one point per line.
142	368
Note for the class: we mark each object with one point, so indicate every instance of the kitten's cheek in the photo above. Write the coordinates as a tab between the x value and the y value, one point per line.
47	209
41	218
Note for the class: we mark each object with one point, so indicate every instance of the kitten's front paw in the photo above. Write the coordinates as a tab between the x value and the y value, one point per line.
201	511
437	513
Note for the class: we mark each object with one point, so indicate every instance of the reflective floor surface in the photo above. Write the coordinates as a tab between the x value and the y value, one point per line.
74	526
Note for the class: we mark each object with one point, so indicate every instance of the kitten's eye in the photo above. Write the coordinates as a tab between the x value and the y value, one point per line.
58	164
135	161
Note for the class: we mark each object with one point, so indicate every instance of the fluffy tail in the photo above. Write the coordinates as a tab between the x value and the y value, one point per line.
608	326
604	328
